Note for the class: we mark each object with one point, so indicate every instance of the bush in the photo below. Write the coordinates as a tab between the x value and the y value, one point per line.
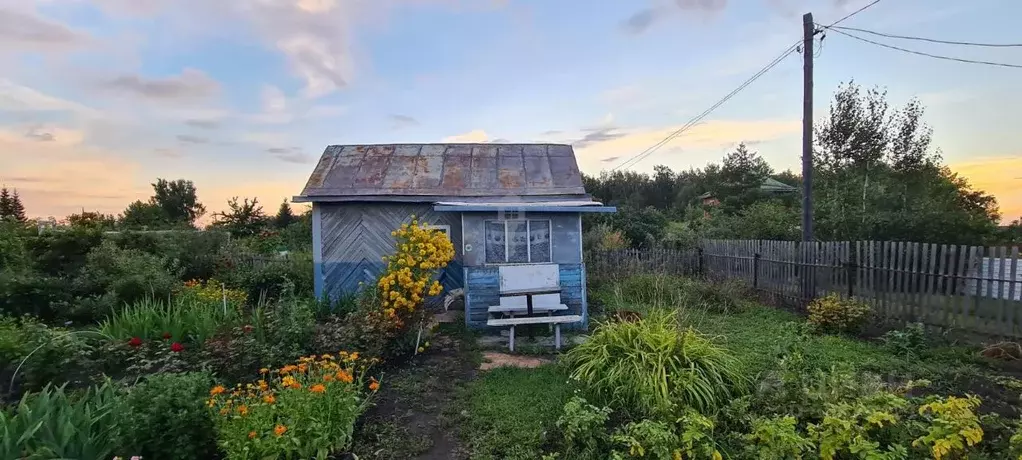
62	253
305	410
166	417
129	275
653	367
237	354
834	314
26	293
53	424
908	342
45	354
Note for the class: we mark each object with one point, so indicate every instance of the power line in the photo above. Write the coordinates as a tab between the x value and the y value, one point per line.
931	40
853	13
935	56
653	148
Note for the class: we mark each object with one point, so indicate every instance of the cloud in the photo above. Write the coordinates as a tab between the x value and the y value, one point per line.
190	85
290	155
598	135
168	153
641	20
17	98
698	144
203	124
610	159
476	136
189	139
552	132
402	121
22	31
39	135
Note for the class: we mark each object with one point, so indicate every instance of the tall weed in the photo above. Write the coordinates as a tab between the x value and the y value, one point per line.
653	367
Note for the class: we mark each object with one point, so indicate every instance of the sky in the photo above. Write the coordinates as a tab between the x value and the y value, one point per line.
98	98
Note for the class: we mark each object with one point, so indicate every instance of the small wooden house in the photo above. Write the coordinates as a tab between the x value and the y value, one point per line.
512	211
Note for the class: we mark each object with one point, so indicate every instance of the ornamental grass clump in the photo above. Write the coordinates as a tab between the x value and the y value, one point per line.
653	367
302	410
177	320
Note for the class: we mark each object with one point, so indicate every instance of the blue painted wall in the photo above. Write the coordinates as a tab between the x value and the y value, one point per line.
350	239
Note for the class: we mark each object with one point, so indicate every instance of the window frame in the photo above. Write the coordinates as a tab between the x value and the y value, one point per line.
446	229
528	245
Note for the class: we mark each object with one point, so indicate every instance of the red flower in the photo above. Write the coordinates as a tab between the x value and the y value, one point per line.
166	336
135	342
247	328
177	347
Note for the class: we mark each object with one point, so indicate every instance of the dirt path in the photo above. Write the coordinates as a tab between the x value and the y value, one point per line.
408	420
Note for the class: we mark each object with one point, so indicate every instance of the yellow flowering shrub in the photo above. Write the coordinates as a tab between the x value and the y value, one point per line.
302	410
834	314
410	276
953	426
213	292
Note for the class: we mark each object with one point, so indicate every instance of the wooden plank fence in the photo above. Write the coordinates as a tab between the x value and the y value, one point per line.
969	288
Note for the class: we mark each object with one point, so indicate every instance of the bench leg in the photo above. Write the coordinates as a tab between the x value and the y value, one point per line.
549	326
511	339
557	336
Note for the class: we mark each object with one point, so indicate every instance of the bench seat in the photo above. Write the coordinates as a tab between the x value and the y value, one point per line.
555	320
517	309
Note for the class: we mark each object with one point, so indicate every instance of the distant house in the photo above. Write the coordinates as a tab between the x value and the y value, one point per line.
770	186
507	205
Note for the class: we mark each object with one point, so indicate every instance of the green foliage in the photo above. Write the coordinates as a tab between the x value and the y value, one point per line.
62	253
174	204
184	320
29	293
654	367
663	291
584	428
165	416
776	438
11	206
909	341
643	227
951	426
92	220
127	275
652	437
834	314
243	219
284	216
855	428
509	409
56	424
45	354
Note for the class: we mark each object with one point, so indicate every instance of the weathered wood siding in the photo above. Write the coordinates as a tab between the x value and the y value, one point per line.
482	288
565	236
352	238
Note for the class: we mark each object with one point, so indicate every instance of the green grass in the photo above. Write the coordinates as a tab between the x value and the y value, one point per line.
509	410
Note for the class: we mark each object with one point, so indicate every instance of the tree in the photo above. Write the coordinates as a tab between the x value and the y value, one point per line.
88	219
877	177
742	172
178	201
141	215
284	216
6	203
242	219
17	209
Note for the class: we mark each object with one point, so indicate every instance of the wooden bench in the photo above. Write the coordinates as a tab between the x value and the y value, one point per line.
556	321
517	310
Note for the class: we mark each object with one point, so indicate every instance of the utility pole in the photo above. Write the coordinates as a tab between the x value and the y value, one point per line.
808	31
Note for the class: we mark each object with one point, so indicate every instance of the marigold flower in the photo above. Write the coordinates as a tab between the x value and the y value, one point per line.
279	430
177	347
345	376
217	390
263	370
269	399
223	411
374	385
243	410
354	356
251	435
135	342
328	357
318	388
328	378
289	381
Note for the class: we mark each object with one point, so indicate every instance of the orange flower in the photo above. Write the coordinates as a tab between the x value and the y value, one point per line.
288	368
303	367
328	378
269	399
279	430
263	370
317	388
374	385
217	390
344	376
251	435
354	356
243	410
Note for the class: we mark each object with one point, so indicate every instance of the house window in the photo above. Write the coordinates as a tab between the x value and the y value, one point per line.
446	229
517	241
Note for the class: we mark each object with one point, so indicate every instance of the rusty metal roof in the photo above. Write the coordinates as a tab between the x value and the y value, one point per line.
442	171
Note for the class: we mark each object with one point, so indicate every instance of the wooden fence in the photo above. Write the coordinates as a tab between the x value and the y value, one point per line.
968	288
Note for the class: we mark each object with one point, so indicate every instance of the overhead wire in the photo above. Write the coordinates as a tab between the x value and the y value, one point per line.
920	53
695	120
931	40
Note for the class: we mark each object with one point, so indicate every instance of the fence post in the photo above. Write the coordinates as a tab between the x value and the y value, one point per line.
755	271
850	267
700	249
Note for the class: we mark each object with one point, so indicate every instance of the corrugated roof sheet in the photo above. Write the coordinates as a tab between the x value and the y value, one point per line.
444	170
